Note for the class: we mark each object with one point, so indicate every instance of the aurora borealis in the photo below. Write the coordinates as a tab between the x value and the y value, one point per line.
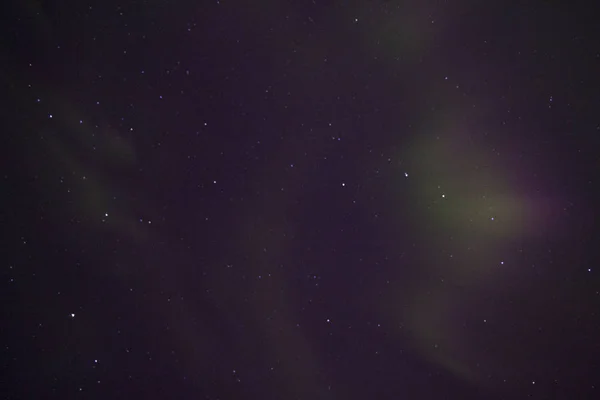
312	200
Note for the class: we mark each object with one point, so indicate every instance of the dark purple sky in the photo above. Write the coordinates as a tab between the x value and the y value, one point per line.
300	200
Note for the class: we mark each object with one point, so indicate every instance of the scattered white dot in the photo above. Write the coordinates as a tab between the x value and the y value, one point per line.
72	315
343	184
444	196
501	262
328	320
406	174
106	214
589	270
49	115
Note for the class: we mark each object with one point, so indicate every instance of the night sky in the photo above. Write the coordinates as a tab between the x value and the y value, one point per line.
300	200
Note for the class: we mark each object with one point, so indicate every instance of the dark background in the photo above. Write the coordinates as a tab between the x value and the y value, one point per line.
300	200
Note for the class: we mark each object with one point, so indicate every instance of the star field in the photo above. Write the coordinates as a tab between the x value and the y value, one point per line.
300	200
